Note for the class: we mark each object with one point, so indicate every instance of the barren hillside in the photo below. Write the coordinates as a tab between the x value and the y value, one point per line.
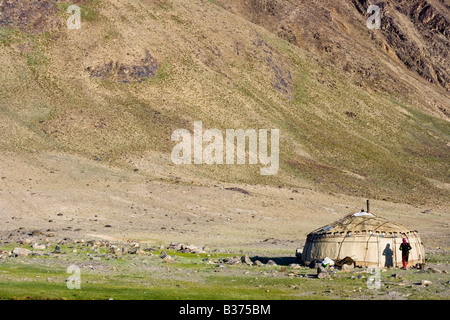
361	113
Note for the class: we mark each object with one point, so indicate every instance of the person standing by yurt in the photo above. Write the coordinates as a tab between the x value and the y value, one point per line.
405	247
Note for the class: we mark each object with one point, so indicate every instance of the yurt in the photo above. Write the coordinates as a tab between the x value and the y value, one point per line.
369	240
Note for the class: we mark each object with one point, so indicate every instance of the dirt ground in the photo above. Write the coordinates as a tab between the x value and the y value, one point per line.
68	196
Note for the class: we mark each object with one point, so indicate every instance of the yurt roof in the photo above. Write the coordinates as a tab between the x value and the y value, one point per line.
360	223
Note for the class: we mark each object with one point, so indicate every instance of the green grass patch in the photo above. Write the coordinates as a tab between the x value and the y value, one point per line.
162	74
6	36
430	121
187	277
213	2
36	58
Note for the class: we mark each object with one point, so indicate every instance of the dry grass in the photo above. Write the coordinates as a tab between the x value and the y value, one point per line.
218	68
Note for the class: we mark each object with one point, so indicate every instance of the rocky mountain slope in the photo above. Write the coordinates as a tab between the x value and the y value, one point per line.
413	34
360	112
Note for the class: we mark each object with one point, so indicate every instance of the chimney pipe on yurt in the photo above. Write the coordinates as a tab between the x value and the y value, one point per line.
370	240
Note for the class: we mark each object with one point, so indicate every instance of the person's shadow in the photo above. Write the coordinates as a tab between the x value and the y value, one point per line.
389	254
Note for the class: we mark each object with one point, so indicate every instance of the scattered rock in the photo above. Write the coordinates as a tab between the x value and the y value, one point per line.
116	71
21	252
26	241
232	260
175	246
190	249
245	259
115	250
347	267
39	246
136	245
425	283
139	252
433	270
35	233
165	257
350	114
271	263
4	254
322	273
238	190
57	249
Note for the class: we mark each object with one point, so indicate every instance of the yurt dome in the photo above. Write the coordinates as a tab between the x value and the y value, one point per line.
369	240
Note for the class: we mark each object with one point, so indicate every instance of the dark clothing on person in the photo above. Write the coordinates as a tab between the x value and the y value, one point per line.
405	247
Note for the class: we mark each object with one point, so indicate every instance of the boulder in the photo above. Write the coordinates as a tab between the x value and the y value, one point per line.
245	259
191	249
21	252
175	246
347	267
39	246
258	263
271	263
165	257
322	273
26	241
115	250
425	283
138	251
57	249
232	260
